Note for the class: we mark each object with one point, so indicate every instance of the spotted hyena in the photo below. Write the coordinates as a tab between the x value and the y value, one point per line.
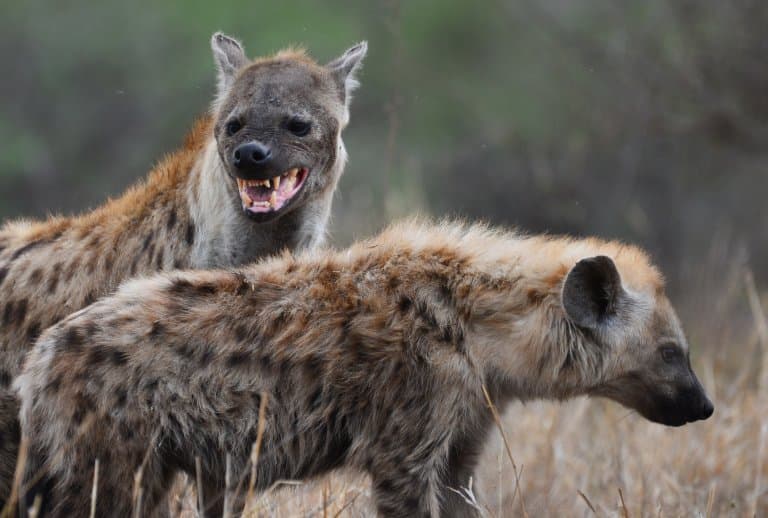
254	177
373	358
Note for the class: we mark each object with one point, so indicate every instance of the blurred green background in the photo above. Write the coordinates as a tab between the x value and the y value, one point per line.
645	121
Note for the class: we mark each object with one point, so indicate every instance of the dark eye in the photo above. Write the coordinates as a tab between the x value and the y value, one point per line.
233	127
299	127
671	353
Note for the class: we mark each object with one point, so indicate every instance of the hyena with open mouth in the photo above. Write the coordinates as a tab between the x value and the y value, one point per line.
376	358
255	177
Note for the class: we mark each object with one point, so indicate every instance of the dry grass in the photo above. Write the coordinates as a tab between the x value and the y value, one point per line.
593	457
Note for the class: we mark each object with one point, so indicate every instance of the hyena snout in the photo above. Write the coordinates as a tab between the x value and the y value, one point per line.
252	160
689	403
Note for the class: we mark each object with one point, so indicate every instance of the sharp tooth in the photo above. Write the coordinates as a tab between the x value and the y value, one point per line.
268	183
273	199
276	181
292	173
247	199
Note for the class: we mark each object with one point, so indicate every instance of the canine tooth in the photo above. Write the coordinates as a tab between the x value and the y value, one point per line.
276	181
273	199
292	173
247	199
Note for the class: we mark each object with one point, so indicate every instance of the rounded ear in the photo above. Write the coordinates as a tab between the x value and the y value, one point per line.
345	67
591	291
229	56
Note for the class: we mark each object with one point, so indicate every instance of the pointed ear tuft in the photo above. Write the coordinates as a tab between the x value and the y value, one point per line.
229	56
345	68
591	291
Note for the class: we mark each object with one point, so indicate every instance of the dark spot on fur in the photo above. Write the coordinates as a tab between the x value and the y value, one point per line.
207	356
238	359
90	298
160	259
21	310
151	385
72	339
147	241
26	248
5	378
8	313
134	265
78	415
151	252
3	274
33	331
190	236
72	269
53	279
118	357
176	264
97	355
54	385
404	304
185	351
171	220
36	275
93	261
156	330
241	333
121	396
126	431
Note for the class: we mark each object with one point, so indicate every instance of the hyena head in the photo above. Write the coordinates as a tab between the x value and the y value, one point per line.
278	125
646	362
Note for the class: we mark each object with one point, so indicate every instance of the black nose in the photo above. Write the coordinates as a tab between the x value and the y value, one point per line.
251	157
706	409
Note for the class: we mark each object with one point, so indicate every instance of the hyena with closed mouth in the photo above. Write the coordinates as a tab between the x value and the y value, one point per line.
374	358
255	176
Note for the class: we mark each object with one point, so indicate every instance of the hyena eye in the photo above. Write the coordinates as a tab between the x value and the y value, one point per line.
670	353
233	127
299	127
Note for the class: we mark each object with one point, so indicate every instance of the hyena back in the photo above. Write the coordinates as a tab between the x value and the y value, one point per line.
373	358
200	208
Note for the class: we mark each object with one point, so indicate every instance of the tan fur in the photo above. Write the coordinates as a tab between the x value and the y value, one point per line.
371	358
186	214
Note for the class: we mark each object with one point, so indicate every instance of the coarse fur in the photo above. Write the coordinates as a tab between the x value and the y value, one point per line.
186	214
372	358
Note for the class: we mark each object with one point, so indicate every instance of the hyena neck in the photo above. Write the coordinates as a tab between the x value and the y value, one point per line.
227	237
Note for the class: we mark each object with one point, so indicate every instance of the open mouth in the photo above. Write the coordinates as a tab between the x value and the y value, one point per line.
272	194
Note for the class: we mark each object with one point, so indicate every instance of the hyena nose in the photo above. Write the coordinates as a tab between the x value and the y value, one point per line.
706	409
251	157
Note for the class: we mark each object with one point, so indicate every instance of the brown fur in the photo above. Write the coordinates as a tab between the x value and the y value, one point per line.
372	358
186	214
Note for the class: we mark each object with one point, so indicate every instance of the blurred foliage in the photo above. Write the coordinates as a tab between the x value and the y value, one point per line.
646	121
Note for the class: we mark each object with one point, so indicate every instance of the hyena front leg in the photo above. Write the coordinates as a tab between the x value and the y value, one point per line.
9	440
406	492
463	457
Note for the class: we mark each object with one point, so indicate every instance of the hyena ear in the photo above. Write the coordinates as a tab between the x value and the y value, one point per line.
591	291
345	67
229	56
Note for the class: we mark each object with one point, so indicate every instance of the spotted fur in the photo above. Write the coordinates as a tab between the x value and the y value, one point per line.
186	214
372	358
